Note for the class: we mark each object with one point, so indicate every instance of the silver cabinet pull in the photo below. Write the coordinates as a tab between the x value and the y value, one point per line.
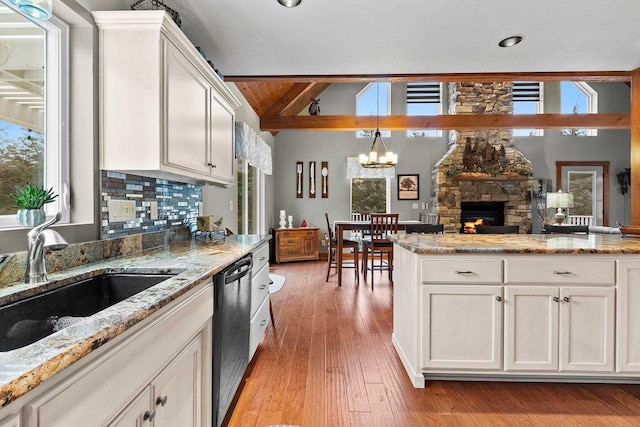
566	299
499	298
561	272
463	272
149	416
262	258
556	299
264	322
262	287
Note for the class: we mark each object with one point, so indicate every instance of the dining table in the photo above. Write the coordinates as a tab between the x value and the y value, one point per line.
340	226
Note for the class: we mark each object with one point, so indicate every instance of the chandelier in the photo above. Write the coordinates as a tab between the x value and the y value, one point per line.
378	156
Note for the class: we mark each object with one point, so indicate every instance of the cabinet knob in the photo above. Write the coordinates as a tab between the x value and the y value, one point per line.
263	287
161	400
149	416
262	258
264	322
566	299
499	298
211	165
556	299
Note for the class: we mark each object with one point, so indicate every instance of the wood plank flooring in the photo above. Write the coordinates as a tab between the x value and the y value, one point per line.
330	362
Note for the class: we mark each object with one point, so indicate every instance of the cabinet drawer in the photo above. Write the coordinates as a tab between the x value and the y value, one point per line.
461	270
527	271
259	324
260	257
289	241
289	252
259	287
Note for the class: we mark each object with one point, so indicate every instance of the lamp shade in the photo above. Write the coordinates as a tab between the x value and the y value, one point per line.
559	200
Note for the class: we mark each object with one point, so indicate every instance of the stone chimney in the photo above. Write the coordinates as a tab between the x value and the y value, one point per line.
482	165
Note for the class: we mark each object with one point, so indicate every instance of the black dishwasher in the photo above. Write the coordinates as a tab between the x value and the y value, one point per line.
231	333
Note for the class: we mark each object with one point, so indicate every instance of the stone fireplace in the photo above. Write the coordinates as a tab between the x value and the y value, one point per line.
482	165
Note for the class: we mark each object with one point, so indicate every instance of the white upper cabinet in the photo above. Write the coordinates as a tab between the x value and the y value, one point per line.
164	112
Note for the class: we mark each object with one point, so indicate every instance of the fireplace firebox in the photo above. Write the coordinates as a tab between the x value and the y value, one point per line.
480	213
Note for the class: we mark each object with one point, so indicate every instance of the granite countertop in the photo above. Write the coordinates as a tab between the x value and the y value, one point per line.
195	262
518	243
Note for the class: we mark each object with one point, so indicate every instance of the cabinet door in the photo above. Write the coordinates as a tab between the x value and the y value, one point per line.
531	328
137	414
628	317
177	390
462	327
222	140
587	320
186	104
13	421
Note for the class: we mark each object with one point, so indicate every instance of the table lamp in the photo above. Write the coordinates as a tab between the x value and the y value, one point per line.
559	200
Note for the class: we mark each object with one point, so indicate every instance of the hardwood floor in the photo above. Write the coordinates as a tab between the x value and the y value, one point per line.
330	362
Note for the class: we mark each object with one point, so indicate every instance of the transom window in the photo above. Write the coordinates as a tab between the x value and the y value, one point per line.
578	98
366	105
424	99
528	99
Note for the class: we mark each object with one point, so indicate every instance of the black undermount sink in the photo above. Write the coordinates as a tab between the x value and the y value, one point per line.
31	319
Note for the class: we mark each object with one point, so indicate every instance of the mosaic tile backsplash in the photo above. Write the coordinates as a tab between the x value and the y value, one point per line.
177	203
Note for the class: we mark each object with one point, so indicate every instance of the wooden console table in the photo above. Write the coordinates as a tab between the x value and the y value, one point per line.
296	244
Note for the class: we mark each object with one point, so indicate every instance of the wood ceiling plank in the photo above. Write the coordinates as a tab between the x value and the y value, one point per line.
585	76
454	122
287	99
312	91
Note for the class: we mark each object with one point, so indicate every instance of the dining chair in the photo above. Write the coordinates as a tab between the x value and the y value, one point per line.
566	229
424	228
497	229
378	244
333	256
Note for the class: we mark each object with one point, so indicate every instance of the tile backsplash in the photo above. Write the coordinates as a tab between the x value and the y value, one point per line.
177	203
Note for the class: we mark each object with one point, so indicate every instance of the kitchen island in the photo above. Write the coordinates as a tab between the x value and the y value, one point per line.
157	339
517	307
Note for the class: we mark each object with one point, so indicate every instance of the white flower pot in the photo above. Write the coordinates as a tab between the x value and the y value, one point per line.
31	217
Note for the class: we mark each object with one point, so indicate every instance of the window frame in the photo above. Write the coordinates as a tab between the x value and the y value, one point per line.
538	110
438	132
259	211
384	133
592	103
387	189
56	167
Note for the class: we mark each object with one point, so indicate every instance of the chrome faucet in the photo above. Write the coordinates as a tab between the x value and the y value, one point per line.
39	241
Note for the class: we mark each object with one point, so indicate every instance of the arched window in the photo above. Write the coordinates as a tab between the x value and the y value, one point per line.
578	98
366	105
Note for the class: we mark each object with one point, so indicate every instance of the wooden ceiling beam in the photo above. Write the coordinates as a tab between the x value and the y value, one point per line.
558	76
453	122
295	99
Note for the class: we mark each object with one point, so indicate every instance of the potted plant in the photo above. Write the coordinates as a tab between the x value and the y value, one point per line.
30	201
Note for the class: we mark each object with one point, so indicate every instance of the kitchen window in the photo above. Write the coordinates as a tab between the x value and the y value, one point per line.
33	136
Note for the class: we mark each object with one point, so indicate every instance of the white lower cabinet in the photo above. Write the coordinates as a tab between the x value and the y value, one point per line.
13	421
155	374
260	303
628	317
551	328
462	327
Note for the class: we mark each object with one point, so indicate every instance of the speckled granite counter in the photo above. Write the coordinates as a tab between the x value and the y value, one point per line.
23	369
518	243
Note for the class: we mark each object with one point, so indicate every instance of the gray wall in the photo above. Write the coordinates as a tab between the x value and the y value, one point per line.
417	155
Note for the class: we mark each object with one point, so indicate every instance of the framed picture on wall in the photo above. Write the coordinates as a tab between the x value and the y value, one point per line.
408	187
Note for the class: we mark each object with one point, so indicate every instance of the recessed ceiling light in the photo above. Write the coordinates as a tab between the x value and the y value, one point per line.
510	41
290	3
